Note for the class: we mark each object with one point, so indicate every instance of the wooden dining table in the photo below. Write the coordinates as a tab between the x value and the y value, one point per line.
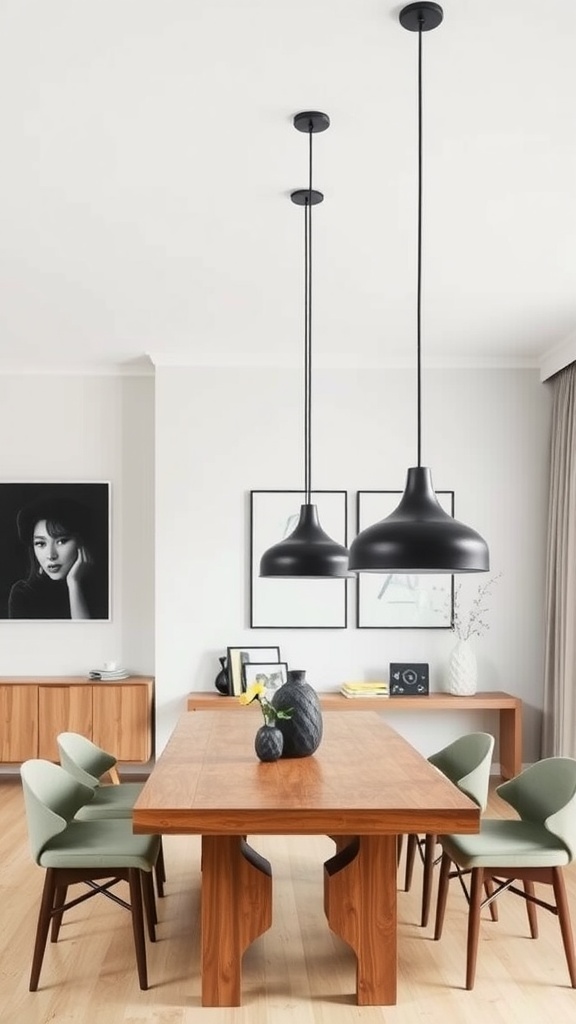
364	786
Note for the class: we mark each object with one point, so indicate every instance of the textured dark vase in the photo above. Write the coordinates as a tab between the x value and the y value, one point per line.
303	730
221	682
268	743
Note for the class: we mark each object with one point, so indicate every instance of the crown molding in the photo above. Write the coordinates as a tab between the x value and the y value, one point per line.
337	361
555	359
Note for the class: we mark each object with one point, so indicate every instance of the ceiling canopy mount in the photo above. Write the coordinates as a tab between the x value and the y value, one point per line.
421	17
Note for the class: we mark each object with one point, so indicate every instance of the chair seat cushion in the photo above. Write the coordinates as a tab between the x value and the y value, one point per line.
507	844
106	843
111	802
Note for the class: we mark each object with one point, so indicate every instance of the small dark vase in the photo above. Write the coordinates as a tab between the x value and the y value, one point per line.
268	743
303	730
221	682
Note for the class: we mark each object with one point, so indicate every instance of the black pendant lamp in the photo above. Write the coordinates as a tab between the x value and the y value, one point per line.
308	552
419	536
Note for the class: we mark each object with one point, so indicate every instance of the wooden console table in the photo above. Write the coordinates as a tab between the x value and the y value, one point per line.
509	708
115	715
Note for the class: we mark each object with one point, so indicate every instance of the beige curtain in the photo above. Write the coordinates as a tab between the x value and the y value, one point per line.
559	730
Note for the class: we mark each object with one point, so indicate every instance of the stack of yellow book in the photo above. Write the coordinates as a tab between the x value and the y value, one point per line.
364	689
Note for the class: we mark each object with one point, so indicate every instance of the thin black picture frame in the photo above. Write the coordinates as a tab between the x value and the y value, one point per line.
250	668
425	602
235	661
292	603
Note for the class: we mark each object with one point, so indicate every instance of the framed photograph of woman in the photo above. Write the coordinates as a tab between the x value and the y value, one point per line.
55	551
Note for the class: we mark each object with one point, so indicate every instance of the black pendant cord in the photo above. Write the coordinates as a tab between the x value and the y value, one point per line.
419	536
308	552
419	275
308	333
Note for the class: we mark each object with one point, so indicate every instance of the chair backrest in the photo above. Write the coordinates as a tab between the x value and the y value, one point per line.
83	759
466	762
545	793
51	798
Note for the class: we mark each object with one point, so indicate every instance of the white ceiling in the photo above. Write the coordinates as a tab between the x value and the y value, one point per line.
148	154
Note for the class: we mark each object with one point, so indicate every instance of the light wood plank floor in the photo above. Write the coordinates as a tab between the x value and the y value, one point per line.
298	971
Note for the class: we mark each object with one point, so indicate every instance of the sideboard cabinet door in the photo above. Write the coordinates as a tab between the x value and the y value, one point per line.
18	722
122	719
66	708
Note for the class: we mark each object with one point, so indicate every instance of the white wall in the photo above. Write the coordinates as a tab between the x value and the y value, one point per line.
217	434
220	433
72	428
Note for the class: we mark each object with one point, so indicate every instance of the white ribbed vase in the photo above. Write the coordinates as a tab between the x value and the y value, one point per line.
463	674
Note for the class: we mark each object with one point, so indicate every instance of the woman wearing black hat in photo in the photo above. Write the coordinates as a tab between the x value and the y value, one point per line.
61	582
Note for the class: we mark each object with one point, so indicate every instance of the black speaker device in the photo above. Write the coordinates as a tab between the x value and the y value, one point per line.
408	679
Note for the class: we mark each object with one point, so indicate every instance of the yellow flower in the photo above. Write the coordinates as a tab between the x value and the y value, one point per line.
253	691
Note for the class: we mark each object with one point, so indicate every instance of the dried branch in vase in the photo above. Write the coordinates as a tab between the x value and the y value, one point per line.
472	622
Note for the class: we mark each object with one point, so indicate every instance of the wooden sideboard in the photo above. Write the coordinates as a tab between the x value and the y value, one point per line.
508	706
33	710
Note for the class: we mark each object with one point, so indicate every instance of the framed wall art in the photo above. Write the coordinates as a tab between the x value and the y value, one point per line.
55	551
401	601
272	675
293	603
239	656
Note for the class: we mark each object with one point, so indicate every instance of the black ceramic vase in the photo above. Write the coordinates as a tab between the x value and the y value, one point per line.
268	743
221	682
303	730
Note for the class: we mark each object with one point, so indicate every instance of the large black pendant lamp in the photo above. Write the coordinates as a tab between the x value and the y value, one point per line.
419	536
308	552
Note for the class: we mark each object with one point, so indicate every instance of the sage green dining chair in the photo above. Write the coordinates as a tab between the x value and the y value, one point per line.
89	764
101	851
534	847
466	762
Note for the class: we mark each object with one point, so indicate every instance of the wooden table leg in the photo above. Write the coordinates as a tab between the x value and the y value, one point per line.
510	741
360	904
236	909
342	841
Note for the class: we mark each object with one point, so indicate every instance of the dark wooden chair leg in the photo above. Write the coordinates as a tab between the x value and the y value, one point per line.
153	908
149	904
564	919
531	909
411	844
489	889
159	871
429	849
399	847
442	894
43	926
59	901
138	925
474	925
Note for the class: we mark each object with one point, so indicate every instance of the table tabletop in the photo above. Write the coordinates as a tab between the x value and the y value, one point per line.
364	778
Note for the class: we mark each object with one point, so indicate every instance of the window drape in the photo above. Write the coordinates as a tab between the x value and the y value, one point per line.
559	725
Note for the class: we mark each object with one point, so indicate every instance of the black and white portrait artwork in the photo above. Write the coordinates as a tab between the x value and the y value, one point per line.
55	551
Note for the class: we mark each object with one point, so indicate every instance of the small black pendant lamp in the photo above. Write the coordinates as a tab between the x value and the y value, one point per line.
308	552
419	536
